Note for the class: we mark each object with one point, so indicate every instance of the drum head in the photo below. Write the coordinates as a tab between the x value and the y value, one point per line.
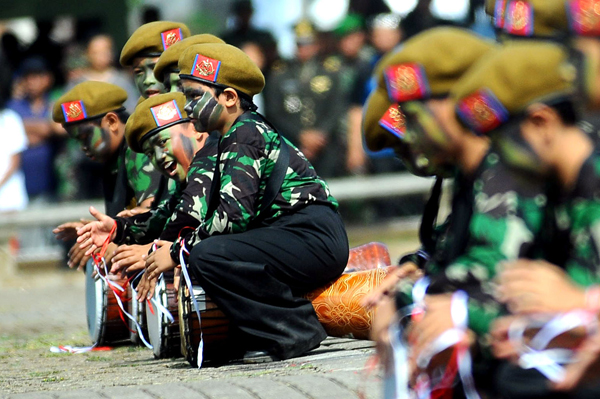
95	302
156	320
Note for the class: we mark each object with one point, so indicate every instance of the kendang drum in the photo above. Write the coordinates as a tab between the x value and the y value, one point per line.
106	324
214	325
368	256
163	328
138	312
338	304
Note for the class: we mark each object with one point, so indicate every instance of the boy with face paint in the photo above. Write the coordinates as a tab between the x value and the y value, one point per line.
93	114
288	237
179	152
540	137
144	47
166	69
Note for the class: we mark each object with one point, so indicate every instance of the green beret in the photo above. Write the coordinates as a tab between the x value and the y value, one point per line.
151	39
508	80
153	115
170	57
88	100
351	23
221	64
533	18
430	63
376	137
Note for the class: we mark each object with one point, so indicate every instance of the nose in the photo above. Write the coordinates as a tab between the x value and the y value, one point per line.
189	107
159	154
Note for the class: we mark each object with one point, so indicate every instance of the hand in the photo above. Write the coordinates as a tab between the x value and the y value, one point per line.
129	258
160	260
385	314
68	231
176	279
94	234
388	285
77	258
585	367
529	286
502	346
436	320
145	288
127	213
311	142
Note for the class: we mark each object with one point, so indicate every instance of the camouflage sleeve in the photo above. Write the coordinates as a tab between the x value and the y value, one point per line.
242	167
583	265
145	227
141	175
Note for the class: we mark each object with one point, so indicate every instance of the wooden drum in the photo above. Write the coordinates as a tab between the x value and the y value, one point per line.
214	328
163	334
105	323
338	304
368	256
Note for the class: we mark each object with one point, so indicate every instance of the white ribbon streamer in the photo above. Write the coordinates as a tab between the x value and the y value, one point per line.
188	282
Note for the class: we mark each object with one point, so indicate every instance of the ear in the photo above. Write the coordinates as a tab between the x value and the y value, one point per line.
544	119
112	122
231	97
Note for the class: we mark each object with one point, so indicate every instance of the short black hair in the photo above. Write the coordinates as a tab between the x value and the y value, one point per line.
566	111
245	103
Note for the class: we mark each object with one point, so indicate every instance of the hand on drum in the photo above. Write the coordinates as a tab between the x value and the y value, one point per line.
534	286
77	257
94	234
68	231
502	346
157	262
129	258
388	285
585	367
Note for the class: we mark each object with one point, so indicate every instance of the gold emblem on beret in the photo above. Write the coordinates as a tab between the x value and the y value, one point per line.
406	80
590	16
482	112
166	112
171	38
74	111
519	16
320	84
397	118
205	68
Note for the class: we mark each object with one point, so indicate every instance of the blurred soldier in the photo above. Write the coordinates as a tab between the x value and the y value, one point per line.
93	113
304	99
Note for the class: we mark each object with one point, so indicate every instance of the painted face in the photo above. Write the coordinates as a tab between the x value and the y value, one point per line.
517	152
171	151
95	141
202	107
171	81
425	150
143	74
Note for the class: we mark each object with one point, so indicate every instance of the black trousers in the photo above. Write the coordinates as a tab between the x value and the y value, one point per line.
257	277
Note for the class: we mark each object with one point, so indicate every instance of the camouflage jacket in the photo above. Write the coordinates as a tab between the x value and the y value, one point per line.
129	180
496	216
248	153
184	209
580	216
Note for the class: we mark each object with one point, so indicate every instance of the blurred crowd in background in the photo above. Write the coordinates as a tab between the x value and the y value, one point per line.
314	98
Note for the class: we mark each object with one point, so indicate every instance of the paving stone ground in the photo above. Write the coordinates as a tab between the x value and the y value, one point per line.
47	309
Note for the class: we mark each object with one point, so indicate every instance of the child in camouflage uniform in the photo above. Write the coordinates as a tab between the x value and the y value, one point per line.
288	238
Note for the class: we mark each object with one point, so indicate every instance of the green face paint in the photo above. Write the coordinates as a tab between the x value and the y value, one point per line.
171	82
145	82
95	141
171	151
205	112
516	152
424	149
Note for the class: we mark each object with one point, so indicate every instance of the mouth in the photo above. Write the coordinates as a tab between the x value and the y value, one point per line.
170	167
152	92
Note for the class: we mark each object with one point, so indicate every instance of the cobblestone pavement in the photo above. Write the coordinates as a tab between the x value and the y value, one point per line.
44	310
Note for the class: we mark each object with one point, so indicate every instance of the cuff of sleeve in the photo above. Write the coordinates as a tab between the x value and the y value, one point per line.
175	249
120	230
480	318
419	258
